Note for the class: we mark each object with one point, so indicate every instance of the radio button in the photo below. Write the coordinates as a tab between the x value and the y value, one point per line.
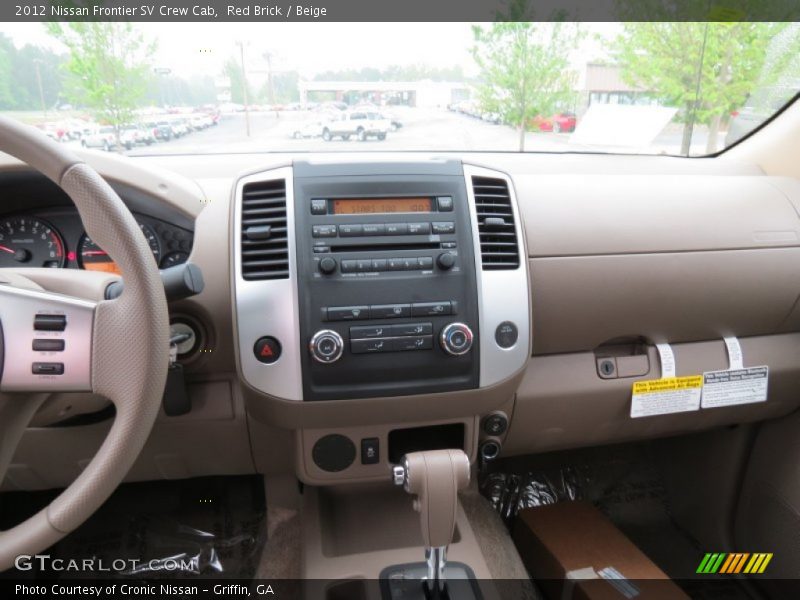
350	230
323	231
374	229
319	206
364	265
445	203
371	346
372	331
431	309
349	266
389	311
396	264
419	228
380	264
410	264
444	227
409	329
420	342
347	313
396	228
425	262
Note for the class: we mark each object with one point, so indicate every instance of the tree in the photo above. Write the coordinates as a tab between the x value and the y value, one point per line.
19	83
233	70
525	69
706	70
109	68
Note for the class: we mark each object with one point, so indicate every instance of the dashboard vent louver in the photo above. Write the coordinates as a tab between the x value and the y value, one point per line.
265	242
496	227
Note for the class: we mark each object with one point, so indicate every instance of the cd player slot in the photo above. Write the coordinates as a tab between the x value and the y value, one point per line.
384	247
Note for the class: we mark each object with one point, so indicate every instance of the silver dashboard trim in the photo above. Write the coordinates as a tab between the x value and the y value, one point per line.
18	307
268	307
503	295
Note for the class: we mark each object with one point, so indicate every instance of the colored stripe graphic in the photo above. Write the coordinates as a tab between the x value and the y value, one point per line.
734	563
727	564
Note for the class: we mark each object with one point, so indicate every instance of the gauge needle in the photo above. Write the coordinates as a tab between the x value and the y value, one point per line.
9	250
94	253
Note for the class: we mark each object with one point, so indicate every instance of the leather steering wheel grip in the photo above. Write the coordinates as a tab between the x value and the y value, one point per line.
130	350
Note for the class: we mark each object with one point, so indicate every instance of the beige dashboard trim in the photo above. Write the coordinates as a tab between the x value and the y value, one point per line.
176	191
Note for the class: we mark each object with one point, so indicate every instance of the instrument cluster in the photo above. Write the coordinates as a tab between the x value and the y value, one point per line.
55	238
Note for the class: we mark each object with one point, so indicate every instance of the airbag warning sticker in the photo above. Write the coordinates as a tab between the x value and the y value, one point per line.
666	395
735	386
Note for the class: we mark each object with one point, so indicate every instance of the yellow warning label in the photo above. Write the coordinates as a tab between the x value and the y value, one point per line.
668	384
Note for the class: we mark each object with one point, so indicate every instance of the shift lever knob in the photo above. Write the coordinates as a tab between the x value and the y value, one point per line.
435	477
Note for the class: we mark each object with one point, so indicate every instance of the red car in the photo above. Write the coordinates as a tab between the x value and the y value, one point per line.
561	122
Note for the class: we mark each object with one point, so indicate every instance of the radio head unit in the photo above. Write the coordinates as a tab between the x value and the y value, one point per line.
387	284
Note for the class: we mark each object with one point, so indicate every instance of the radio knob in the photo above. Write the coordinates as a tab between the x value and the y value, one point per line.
446	260
326	346
456	339
327	265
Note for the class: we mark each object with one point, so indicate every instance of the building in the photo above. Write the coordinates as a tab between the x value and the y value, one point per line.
423	94
603	84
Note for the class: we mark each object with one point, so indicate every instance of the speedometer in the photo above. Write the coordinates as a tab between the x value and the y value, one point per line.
94	258
29	242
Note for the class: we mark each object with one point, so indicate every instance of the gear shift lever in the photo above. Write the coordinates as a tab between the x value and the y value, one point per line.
435	477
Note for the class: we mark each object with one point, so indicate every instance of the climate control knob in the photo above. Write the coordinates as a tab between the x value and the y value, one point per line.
326	346
456	339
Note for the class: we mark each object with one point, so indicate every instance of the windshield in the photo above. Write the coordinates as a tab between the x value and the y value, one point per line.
686	89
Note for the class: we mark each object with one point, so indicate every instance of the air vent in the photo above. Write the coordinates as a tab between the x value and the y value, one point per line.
499	244
265	242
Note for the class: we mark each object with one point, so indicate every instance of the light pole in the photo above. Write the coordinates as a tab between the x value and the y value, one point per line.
244	91
270	89
37	62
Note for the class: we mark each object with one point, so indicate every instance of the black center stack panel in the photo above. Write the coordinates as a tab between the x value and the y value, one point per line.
386	279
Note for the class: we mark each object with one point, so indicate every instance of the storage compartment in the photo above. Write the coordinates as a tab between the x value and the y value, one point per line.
434	437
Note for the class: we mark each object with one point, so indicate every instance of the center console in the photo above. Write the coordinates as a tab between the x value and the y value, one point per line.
378	279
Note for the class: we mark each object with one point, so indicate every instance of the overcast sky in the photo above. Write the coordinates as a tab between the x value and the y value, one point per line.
308	47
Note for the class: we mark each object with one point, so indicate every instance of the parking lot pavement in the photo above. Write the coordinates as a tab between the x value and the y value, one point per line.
423	129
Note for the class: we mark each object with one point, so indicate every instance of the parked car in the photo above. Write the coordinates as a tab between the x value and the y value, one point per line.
162	130
362	125
309	129
102	137
130	136
199	122
558	123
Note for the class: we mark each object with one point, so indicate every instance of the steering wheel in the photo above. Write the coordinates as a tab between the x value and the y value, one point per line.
116	348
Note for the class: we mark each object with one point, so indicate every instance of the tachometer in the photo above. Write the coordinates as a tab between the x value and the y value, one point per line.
94	258
30	242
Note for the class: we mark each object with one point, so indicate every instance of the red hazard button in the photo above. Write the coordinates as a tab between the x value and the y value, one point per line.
267	350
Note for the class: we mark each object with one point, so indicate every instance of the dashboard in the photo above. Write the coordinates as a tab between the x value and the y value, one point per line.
504	303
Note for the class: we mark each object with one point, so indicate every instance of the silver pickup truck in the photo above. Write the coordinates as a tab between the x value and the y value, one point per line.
358	124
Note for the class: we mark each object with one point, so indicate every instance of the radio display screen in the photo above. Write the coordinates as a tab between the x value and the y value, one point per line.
377	206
